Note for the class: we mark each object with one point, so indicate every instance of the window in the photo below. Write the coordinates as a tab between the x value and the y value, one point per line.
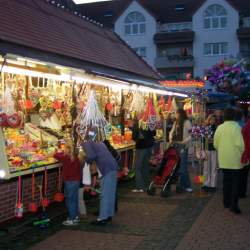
142	51
215	17
135	23
215	49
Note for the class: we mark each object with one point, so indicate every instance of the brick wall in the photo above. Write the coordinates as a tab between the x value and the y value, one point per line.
8	192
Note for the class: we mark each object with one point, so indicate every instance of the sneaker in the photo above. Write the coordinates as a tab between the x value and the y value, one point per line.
189	190
137	191
99	222
236	211
77	219
69	222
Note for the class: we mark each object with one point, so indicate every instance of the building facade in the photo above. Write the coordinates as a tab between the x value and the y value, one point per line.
179	38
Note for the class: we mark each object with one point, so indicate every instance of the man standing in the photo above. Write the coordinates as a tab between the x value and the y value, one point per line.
229	143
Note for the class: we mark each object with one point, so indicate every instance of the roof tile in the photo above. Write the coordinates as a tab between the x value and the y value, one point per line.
42	26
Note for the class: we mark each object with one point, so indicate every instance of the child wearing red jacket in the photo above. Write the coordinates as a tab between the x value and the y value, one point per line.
71	173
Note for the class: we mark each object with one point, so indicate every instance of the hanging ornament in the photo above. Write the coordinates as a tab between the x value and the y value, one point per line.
14	120
138	103
92	117
148	119
19	204
32	205
174	106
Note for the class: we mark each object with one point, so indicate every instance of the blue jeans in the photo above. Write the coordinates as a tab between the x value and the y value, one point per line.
71	198
108	195
184	179
142	173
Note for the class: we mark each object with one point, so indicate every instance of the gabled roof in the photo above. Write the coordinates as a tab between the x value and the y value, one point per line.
40	25
163	10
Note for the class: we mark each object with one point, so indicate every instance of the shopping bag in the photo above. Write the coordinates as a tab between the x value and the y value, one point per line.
86	175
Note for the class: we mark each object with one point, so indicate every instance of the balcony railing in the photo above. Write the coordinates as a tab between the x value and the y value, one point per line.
173	61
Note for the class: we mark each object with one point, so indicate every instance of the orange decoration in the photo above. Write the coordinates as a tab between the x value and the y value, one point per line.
183	83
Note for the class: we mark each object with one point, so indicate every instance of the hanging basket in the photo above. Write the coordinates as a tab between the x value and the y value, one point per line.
32	207
59	197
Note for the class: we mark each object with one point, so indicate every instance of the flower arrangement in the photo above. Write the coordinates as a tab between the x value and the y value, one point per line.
201	132
228	75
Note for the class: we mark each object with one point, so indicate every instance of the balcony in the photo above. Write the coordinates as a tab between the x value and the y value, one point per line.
174	61
246	55
174	38
243	33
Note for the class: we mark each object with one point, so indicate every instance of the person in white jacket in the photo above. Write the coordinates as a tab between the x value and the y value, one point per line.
180	135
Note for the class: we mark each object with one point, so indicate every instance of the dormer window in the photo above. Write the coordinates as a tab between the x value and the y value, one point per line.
135	24
215	17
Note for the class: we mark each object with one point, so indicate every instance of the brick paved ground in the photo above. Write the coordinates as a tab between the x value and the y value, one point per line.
181	222
217	228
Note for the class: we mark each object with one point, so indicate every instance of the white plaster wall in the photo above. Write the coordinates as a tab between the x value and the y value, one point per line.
229	34
141	40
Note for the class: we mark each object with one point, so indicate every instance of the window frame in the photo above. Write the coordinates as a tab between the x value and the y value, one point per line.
213	17
212	48
132	23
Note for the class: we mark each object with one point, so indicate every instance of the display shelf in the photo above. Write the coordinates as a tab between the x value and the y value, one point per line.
7	172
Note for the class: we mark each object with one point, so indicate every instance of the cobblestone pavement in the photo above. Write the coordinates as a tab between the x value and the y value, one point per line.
182	222
143	222
217	228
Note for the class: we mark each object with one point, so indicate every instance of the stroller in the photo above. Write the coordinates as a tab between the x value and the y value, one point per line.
167	173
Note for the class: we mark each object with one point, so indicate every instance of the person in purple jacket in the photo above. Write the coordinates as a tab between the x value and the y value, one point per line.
98	152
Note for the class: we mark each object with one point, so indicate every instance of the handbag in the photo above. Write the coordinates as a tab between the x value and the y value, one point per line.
86	175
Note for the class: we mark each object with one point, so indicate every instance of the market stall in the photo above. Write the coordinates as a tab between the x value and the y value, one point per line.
47	76
39	110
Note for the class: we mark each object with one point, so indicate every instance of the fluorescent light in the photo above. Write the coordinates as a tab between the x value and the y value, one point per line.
15	62
30	61
89	1
14	70
101	82
122	85
114	84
